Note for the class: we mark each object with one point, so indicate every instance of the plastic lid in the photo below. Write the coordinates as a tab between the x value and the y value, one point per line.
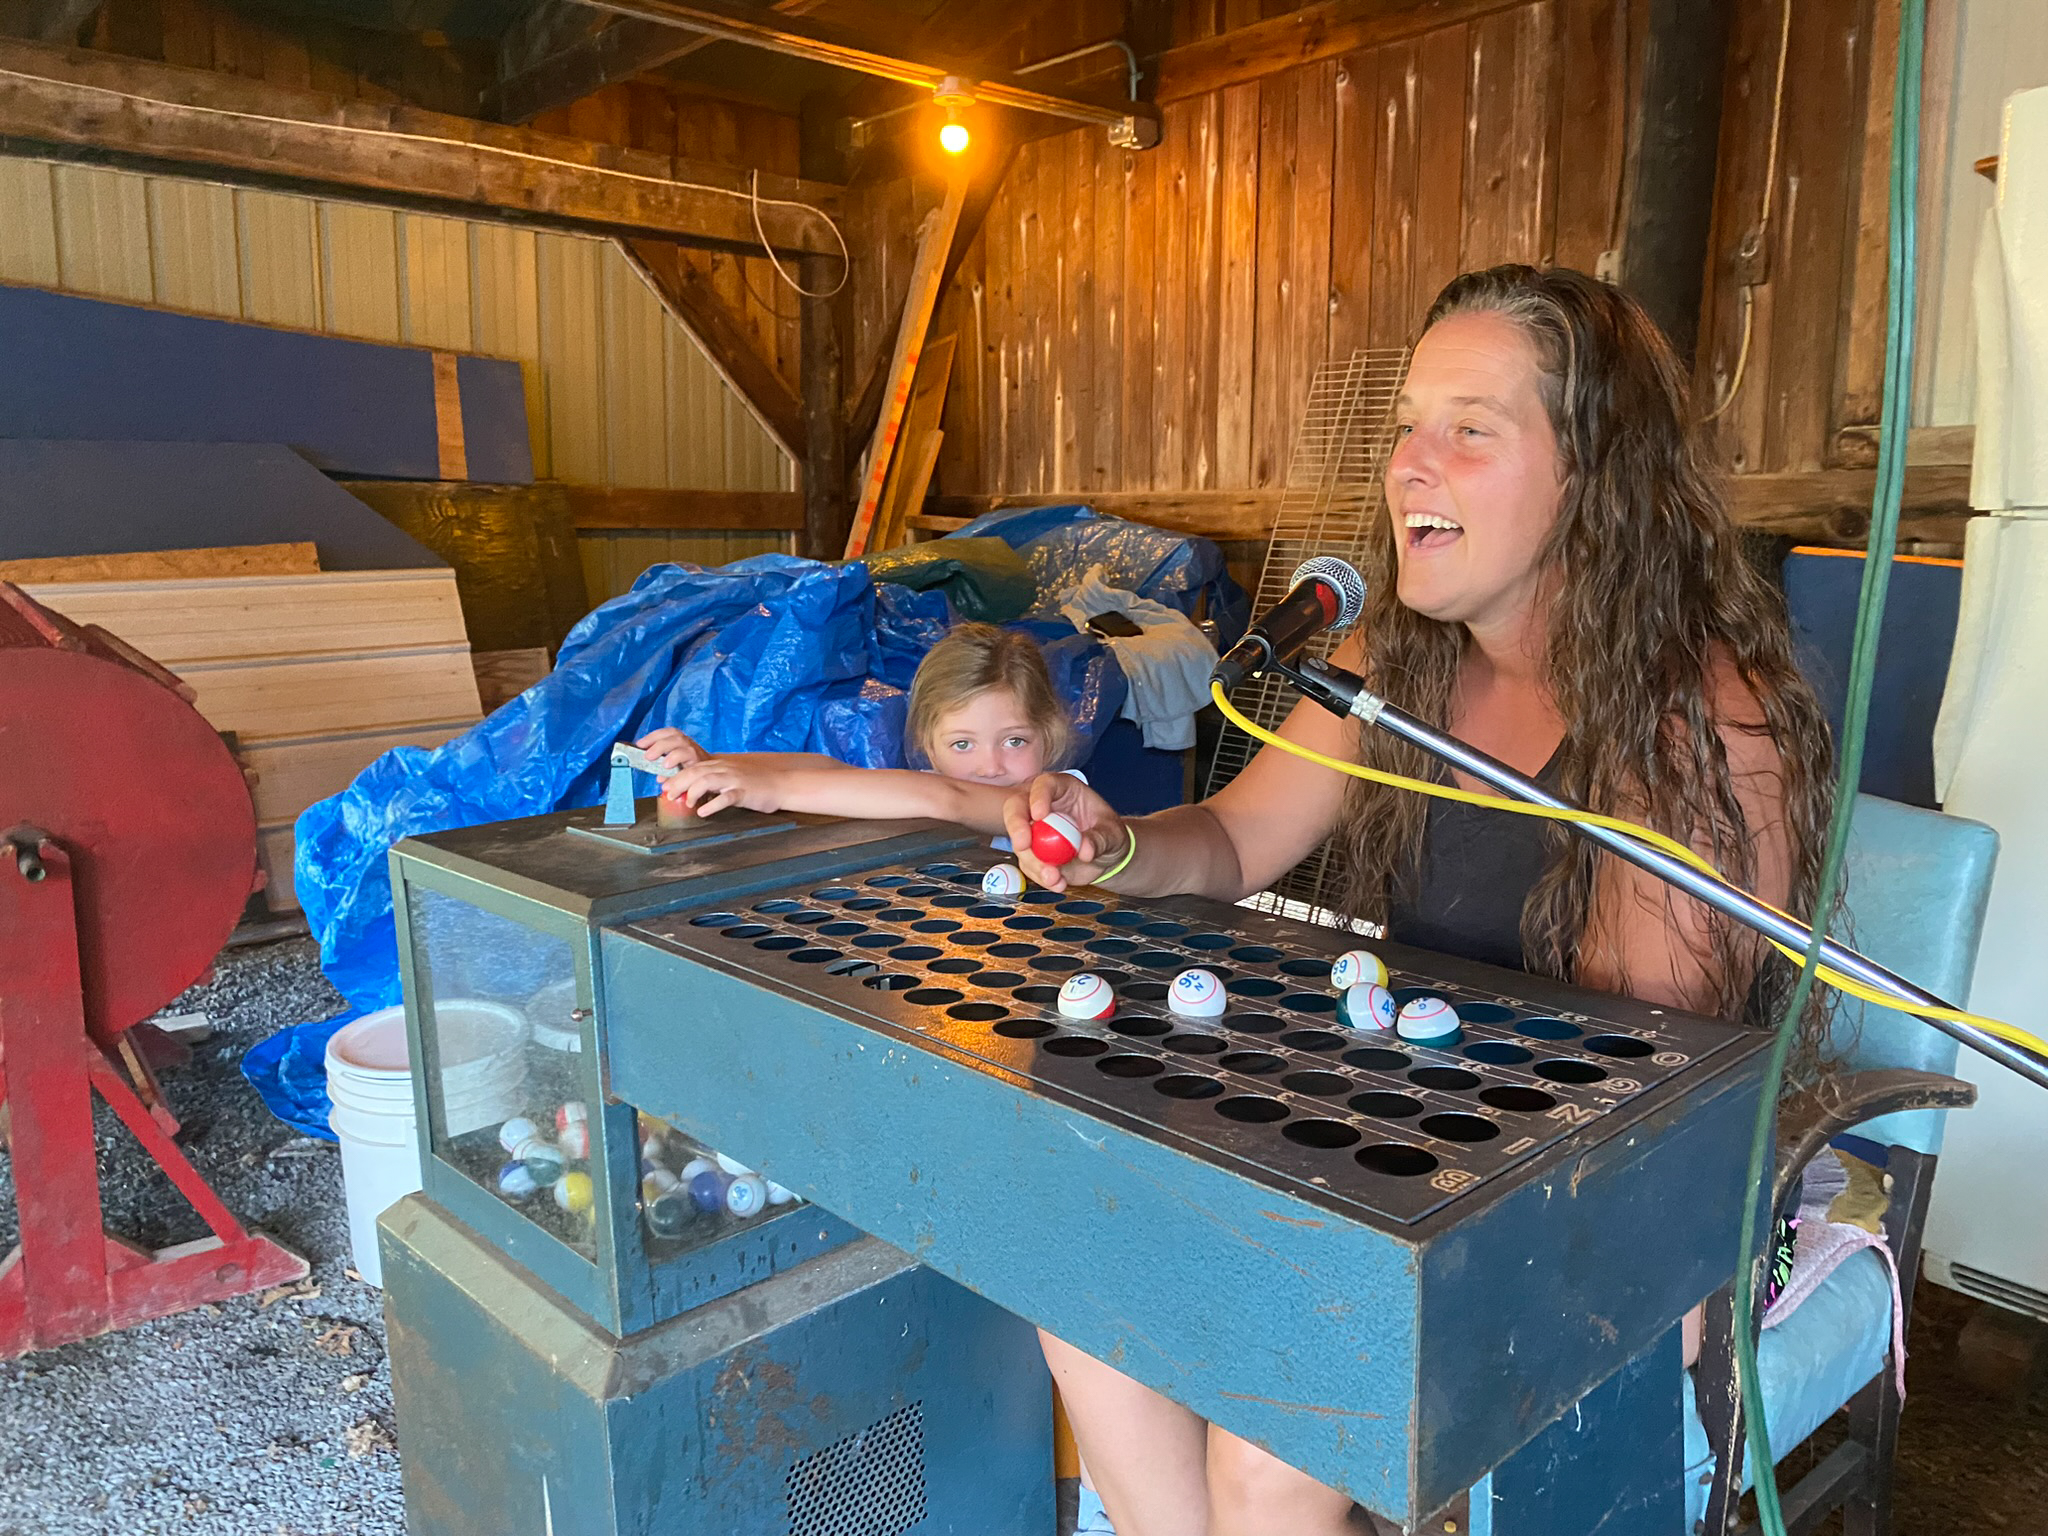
373	1043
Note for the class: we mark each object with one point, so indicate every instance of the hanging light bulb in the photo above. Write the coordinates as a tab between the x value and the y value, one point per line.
954	137
952	94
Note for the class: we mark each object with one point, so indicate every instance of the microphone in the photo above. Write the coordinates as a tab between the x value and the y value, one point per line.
1328	594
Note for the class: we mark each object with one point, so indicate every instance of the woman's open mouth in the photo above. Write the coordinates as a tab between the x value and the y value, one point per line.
1426	531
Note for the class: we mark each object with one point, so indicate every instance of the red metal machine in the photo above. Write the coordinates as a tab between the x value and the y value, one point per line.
127	852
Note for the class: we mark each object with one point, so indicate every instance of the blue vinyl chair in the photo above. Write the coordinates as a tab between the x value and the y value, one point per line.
1918	883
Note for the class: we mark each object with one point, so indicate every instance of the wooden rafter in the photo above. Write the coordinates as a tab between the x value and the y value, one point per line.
47	21
71	103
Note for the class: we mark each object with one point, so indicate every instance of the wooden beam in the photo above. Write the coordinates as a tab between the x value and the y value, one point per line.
595	507
47	21
97	106
1226	515
827	512
1306	36
697	307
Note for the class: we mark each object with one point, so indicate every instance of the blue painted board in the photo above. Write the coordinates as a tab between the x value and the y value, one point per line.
80	368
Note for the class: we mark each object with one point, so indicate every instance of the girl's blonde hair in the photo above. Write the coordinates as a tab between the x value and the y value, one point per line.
972	659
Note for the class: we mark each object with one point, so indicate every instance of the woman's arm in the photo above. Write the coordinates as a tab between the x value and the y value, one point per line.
772	781
1240	840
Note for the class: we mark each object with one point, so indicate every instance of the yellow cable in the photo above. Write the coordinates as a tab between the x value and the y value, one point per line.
1827	973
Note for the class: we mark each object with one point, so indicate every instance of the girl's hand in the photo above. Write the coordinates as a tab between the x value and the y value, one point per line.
714	783
1103	836
670	748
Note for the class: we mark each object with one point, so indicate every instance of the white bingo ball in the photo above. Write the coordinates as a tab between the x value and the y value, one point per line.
746	1195
1197	994
695	1166
731	1165
1086	996
1367	1005
1429	1019
1355	966
777	1195
1002	882
515	1131
575	1140
571	1113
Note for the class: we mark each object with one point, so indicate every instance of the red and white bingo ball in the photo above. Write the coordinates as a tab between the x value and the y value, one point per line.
1197	994
569	1114
1003	881
1428	1020
1056	840
1367	1005
1086	996
1355	966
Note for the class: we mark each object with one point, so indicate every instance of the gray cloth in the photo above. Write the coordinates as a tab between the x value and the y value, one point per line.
1167	666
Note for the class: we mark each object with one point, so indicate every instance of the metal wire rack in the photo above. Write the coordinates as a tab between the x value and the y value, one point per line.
1333	492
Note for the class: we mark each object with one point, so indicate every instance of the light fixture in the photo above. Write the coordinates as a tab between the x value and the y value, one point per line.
953	136
952	94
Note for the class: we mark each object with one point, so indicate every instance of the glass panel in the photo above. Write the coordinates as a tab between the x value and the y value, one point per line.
511	1086
689	1195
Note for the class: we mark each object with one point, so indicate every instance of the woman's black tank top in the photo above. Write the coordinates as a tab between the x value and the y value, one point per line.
1477	869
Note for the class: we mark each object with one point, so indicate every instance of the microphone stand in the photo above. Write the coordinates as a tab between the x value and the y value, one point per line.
1345	694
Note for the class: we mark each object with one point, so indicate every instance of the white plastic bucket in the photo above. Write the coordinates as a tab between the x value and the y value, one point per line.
369	1081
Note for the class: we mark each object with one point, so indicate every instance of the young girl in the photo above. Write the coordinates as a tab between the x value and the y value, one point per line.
982	710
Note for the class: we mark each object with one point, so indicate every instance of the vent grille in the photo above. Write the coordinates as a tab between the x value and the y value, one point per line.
2009	1294
869	1484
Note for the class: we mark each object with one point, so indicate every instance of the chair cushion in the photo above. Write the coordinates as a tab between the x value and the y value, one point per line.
1810	1365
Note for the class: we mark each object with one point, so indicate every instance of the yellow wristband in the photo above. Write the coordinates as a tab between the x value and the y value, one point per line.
1130	851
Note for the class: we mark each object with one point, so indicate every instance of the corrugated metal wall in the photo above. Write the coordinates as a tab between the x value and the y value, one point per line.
617	393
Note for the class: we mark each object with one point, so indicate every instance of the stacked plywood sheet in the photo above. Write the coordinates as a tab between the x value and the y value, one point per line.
314	675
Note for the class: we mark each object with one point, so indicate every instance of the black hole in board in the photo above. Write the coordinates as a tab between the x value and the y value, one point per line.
1251	1109
1024	1029
1254	986
999	979
1309	1002
833	893
1040	995
1130	1066
1484	1013
1143	1025
1075	1045
1565	1070
1458	1127
1256	1023
1256	1063
974	938
1013	951
713	919
1406	995
1197	1045
1395	1160
1305	967
1158	960
941	871
1208	941
1516	1097
1313	1040
852	968
988	909
977	1013
1498	1053
933	997
954	965
1114	978
1027	922
1040	898
875	940
1619	1045
776	941
1547	1029
745	931
1374	1058
1184	1085
1146	991
865	904
1112	946
908	891
1255	954
934	925
1327	1135
898	914
780	904
891	982
888	882
842	930
816	955
956	900
915	952
1451	1079
1164	930
1124	918
1387	1106
806	917
1068	935
1057	964
1081	908
1320	1085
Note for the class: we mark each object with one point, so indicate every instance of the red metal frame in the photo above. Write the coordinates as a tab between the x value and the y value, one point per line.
68	1279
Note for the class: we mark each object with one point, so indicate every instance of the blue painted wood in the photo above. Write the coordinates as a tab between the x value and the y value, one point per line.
1299	1322
87	369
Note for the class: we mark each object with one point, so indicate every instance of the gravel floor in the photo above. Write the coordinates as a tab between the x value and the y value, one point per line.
271	1415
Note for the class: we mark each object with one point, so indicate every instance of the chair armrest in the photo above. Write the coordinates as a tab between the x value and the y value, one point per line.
1810	1118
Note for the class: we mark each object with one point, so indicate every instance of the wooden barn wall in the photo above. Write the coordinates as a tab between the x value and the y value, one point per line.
1135	321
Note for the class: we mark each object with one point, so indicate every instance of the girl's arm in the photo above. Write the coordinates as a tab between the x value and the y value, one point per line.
773	781
670	748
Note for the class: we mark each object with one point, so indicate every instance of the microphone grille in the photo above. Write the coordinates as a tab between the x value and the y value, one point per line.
1341	577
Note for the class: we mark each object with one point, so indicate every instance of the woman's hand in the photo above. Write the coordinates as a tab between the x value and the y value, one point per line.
711	784
1103	835
670	749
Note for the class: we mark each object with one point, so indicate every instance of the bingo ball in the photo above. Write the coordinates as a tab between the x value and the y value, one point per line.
543	1161
1429	1021
1003	882
746	1195
658	1182
1367	1005
1355	966
777	1195
651	1148
516	1182
1055	840
693	1167
1197	994
670	1215
731	1165
707	1190
575	1193
515	1131
1085	995
575	1140
571	1113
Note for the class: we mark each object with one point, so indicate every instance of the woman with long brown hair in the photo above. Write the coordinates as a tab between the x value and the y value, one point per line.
1556	582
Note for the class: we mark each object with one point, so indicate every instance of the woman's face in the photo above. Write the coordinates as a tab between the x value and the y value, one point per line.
1473	485
988	739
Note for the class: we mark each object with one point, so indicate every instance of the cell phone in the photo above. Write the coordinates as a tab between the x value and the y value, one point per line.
1114	626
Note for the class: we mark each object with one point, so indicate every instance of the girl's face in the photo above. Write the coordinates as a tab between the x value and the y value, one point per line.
989	739
1472	484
